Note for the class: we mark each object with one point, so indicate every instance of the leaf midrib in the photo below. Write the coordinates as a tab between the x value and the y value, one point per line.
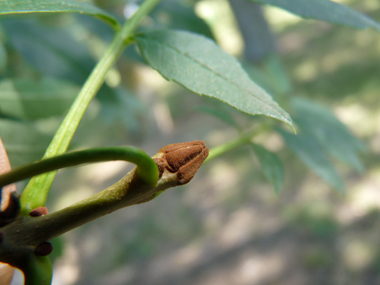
227	79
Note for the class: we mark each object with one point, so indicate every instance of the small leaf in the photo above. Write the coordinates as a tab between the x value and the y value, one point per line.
325	10
55	6
329	131
199	65
310	152
30	99
271	166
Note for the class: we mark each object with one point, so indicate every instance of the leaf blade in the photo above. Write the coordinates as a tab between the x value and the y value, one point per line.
271	166
199	65
310	152
332	134
325	10
55	6
31	99
51	50
24	142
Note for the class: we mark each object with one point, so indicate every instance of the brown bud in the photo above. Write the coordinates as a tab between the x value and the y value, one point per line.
39	211
43	249
182	158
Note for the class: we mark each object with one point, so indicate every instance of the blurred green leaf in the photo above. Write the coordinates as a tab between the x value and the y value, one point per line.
30	99
55	6
53	51
23	141
173	14
271	166
311	153
325	10
118	104
223	115
334	136
273	66
199	65
3	58
270	75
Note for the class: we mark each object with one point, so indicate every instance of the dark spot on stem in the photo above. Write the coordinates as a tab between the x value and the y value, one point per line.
39	211
43	249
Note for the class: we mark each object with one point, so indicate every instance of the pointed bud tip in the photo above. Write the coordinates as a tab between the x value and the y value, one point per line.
183	159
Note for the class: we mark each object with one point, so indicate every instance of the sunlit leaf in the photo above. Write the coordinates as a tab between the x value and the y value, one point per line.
55	6
325	10
333	136
311	153
31	99
199	65
271	166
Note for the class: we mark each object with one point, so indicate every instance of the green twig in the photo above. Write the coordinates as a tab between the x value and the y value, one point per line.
231	145
146	167
35	194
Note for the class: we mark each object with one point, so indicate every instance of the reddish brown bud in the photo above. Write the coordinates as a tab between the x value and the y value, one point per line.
39	211
183	159
43	249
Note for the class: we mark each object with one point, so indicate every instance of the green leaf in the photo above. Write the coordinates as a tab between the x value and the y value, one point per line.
174	14
55	6
31	99
270	74
52	51
3	58
120	105
310	152
325	10
271	166
23	141
223	115
334	136
199	65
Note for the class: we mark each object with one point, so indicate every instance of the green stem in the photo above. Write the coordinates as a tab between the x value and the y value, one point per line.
146	167
38	188
231	145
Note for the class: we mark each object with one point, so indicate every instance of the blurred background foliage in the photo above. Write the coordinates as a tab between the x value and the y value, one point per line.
227	226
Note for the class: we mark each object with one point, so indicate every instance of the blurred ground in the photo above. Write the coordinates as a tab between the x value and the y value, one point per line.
227	226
